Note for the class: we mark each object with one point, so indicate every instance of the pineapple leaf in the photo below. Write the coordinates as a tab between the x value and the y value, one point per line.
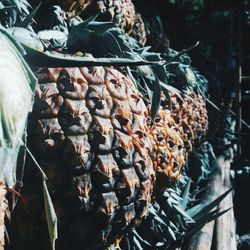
193	229
45	59
183	213
156	99
212	104
89	20
185	194
144	242
50	215
201	209
149	91
112	44
14	110
26	37
49	208
172	89
184	51
16	3
137	244
100	27
29	18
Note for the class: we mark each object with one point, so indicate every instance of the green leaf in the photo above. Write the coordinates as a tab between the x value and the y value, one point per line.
14	110
172	89
49	208
192	230
111	43
8	163
100	27
201	209
156	217
137	244
184	51
28	19
183	213
185	194
172	202
86	22
45	59
144	242
171	233
50	215
17	4
205	217
27	37
156	99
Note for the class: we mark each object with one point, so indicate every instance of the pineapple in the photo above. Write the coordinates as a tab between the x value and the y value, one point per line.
169	153
191	117
3	212
88	132
173	133
91	134
122	12
155	26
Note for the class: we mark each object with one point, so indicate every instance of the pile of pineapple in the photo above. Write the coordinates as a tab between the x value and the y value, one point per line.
106	139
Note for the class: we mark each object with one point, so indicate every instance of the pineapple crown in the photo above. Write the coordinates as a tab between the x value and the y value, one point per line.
13	12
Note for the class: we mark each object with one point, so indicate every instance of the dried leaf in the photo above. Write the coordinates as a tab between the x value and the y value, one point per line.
50	215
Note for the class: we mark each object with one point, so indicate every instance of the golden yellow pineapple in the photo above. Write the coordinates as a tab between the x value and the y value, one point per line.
176	128
169	154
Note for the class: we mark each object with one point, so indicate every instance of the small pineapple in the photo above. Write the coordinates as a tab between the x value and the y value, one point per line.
169	152
191	116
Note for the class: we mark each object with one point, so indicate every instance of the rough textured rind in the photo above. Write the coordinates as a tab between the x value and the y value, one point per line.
3	210
178	125
92	134
88	132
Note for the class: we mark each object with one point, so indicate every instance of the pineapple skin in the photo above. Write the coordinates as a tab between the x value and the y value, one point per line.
178	126
3	212
88	132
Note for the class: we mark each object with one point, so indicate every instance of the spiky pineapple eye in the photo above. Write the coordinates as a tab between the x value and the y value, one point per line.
171	143
99	101
116	88
123	121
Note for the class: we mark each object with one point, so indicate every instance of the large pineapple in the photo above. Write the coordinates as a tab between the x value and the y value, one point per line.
88	132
